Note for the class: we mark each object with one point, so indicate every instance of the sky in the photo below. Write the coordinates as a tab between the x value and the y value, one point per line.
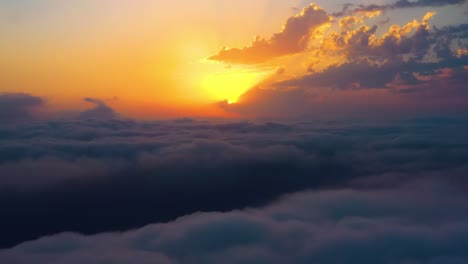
160	59
237	132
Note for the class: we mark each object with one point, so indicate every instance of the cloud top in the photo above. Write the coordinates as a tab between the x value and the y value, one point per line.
293	38
100	110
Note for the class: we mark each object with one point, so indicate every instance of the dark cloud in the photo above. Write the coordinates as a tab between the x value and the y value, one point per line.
16	107
431	3
426	223
363	75
351	76
350	9
100	110
261	101
93	176
294	38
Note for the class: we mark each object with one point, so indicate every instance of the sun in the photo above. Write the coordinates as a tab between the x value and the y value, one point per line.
230	84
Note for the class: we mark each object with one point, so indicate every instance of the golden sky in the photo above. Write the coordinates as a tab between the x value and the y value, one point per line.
163	57
147	52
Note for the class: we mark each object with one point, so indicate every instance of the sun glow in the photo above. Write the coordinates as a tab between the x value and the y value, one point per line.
231	84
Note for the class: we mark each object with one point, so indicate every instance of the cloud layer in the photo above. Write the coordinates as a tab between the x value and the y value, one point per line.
426	223
124	174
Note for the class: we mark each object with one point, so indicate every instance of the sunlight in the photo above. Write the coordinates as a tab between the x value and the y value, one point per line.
230	85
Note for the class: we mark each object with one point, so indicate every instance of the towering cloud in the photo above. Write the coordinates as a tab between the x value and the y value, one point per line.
294	38
409	54
404	62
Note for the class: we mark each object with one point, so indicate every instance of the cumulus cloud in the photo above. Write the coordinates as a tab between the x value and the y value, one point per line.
18	107
415	66
293	38
354	68
401	55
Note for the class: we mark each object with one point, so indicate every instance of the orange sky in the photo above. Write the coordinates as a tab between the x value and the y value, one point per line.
145	53
147	58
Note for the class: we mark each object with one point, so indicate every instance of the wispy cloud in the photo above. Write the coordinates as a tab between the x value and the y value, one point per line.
349	9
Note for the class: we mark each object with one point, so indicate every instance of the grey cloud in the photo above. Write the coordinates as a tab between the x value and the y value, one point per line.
16	107
137	173
363	75
350	8
100	110
418	3
261	101
345	76
402	225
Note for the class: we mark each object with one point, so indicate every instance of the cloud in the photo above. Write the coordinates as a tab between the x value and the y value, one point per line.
124	174
399	225
416	67
294	38
350	9
100	111
358	41
16	107
400	55
262	101
363	75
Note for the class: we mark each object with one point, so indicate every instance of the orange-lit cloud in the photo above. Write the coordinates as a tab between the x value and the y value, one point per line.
294	38
353	63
